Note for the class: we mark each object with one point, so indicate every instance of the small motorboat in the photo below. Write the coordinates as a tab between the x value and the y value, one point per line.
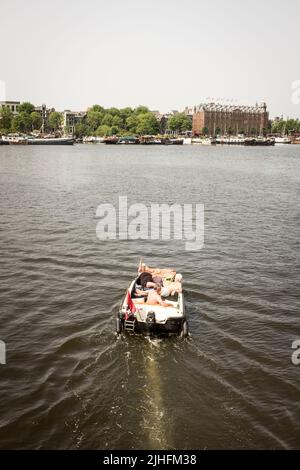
51	141
29	140
110	140
283	140
128	140
150	140
259	141
137	316
168	141
14	139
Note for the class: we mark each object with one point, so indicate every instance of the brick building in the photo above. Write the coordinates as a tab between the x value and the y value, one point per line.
213	119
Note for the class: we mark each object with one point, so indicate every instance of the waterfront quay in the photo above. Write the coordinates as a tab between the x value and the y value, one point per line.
207	123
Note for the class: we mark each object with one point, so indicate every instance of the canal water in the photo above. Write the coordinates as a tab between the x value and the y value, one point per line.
68	382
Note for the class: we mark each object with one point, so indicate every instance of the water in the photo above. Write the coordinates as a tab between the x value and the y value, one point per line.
68	383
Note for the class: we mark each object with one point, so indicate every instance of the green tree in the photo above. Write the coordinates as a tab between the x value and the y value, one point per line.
117	121
107	119
97	108
6	117
141	110
55	120
103	130
180	123
278	127
22	122
132	123
81	130
113	111
36	120
26	107
147	124
125	113
115	130
94	117
292	125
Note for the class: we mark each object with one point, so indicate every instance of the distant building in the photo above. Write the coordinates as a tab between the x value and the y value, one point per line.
189	112
12	105
162	120
277	119
213	118
71	118
44	113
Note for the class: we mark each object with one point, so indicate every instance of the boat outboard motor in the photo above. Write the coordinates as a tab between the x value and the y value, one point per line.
151	317
150	320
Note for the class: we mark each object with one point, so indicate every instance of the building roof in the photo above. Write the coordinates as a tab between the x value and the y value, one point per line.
9	102
230	108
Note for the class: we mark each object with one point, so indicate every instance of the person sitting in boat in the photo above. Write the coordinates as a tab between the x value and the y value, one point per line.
154	297
170	288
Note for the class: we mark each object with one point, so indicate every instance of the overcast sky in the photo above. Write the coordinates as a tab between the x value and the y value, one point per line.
165	54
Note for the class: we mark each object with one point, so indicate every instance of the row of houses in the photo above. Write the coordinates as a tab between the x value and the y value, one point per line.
70	118
206	118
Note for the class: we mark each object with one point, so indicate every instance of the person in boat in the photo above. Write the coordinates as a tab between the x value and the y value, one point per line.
170	288
154	297
144	283
145	280
163	273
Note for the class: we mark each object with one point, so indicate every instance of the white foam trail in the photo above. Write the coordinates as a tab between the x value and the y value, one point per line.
155	417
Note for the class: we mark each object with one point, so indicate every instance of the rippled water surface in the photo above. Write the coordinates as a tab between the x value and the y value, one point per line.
68	382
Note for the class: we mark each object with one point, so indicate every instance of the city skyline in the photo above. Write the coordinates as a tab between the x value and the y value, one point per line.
164	55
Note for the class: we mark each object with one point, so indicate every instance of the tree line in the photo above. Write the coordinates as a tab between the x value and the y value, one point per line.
98	121
27	120
285	127
128	121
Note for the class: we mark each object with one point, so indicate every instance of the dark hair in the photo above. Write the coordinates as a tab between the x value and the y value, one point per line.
144	278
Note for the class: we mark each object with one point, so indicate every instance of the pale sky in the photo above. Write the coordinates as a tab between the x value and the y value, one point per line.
165	54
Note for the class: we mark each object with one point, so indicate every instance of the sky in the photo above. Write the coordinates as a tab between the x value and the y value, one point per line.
164	54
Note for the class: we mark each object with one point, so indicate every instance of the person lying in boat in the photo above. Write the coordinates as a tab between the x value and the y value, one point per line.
170	288
144	283
154	297
145	280
164	273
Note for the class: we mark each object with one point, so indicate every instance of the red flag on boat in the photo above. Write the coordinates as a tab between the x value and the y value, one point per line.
130	303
